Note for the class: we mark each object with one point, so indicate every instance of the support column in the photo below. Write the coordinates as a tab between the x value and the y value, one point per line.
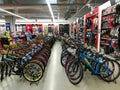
10	21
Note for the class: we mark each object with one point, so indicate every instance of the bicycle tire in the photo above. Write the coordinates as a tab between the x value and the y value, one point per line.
45	56
109	77
78	76
64	59
39	57
64	52
74	70
70	68
29	72
40	62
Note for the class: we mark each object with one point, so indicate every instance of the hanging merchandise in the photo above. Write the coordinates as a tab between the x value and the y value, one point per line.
8	26
39	29
88	34
29	28
88	23
114	43
81	29
95	22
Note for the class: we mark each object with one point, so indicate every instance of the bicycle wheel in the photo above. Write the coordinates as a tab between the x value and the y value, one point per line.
39	57
64	59
40	62
45	56
109	70
74	71
32	72
72	68
75	76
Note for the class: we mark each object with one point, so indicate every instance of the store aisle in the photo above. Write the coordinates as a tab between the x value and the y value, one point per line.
56	79
55	76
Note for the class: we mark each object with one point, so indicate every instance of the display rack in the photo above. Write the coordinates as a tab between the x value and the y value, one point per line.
91	29
109	40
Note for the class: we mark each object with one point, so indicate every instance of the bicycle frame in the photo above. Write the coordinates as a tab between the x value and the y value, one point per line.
98	62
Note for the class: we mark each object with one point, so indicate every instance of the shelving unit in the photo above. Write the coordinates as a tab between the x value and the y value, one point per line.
91	32
109	34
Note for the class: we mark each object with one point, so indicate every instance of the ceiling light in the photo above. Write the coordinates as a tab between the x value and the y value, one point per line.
50	9
14	14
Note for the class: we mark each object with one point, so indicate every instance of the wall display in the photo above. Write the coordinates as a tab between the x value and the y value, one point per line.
29	28
110	30
40	28
63	28
91	29
32	28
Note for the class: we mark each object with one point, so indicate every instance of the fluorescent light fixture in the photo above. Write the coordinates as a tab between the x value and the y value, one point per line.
50	9
14	14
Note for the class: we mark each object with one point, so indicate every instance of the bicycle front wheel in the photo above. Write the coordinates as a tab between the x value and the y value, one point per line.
32	72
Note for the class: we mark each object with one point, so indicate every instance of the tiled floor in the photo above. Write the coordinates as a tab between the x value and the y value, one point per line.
55	78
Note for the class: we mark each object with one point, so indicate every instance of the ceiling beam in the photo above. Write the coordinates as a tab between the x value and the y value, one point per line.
29	14
23	7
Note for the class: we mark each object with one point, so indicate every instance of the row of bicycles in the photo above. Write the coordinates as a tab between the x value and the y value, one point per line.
28	59
76	58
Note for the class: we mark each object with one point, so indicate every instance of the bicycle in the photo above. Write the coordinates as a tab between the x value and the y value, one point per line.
97	64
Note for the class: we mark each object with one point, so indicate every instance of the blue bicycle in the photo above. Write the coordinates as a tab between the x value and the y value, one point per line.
107	69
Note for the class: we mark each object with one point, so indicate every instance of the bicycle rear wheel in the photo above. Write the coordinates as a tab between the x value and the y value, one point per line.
109	70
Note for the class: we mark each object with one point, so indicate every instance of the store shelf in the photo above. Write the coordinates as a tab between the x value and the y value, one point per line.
106	38
105	44
104	28
109	14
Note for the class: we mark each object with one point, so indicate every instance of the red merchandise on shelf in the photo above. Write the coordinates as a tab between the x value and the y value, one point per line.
41	26
0	46
29	28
